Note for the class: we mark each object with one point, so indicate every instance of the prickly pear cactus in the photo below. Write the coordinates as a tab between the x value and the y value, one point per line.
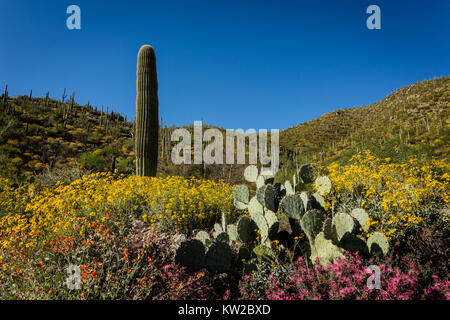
219	257
307	173
362	217
272	223
289	188
260	195
307	201
241	195
270	198
268	179
232	232
352	242
323	249
344	224
280	191
254	207
246	230
191	254
329	231
260	181
223	237
323	185
312	223
378	243
204	237
265	253
292	206
251	173
244	253
217	230
317	201
261	222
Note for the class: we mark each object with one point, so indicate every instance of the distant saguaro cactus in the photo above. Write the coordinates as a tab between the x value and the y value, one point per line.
146	141
5	95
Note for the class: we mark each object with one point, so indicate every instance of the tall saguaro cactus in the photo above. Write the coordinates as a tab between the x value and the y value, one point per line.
146	141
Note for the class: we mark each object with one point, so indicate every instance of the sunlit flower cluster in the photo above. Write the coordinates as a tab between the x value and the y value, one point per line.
30	212
395	194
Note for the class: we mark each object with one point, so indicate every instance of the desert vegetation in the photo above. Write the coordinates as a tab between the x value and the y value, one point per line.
357	188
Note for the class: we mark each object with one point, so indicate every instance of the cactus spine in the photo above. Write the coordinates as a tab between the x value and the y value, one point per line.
146	142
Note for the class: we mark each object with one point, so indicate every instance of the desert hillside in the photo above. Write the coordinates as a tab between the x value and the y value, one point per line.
413	120
42	133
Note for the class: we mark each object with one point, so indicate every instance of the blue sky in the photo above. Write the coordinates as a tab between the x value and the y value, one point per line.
236	64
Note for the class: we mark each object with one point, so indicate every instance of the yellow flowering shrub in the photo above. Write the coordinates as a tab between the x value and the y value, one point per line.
30	211
394	194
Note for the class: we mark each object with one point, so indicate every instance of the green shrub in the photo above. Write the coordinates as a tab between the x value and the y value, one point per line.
91	161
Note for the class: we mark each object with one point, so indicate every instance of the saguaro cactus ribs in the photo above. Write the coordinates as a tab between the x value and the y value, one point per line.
146	113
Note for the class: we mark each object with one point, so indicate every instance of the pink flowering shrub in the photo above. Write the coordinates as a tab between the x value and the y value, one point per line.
139	264
346	279
175	284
